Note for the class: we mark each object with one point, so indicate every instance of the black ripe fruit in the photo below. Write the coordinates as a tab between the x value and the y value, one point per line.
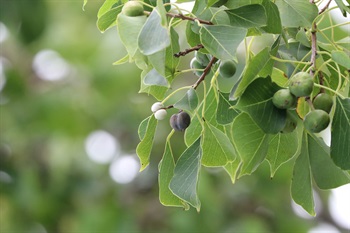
301	84
197	66
323	101
132	8
283	99
316	121
180	121
227	68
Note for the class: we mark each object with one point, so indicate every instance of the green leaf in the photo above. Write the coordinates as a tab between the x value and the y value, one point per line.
157	92
326	174
108	19
166	172
153	78
143	149
248	16
193	38
250	142
106	6
282	147
216	146
340	146
222	41
224	113
257	63
232	169
162	13
257	101
240	3
297	13
303	38
128	30
153	36
189	102
164	61
279	77
211	2
341	58
194	131
293	50
184	183
210	106
274	24
122	60
143	128
344	8
301	187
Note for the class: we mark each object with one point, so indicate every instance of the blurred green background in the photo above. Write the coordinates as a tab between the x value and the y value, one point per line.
68	124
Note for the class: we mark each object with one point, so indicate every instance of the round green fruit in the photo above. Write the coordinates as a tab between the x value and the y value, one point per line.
197	66
132	9
283	99
290	125
301	84
227	68
202	58
316	121
323	101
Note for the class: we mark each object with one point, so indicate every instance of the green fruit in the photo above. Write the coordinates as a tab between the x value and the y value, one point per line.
132	8
202	58
227	68
323	101
301	84
283	99
289	126
195	64
316	121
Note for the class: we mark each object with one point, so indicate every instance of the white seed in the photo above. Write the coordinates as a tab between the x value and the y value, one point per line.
160	114
156	106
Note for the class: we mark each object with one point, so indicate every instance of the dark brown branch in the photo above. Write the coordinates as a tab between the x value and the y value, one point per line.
183	53
320	79
184	17
205	72
325	7
313	49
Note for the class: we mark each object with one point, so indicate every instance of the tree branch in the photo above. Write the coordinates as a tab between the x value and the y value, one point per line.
205	72
325	7
184	17
313	49
183	53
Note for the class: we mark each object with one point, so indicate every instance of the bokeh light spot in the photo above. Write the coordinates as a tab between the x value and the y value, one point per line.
324	228
3	32
339	205
101	146
124	169
50	66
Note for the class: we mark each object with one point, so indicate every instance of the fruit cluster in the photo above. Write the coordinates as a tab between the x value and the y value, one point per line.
179	121
301	85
